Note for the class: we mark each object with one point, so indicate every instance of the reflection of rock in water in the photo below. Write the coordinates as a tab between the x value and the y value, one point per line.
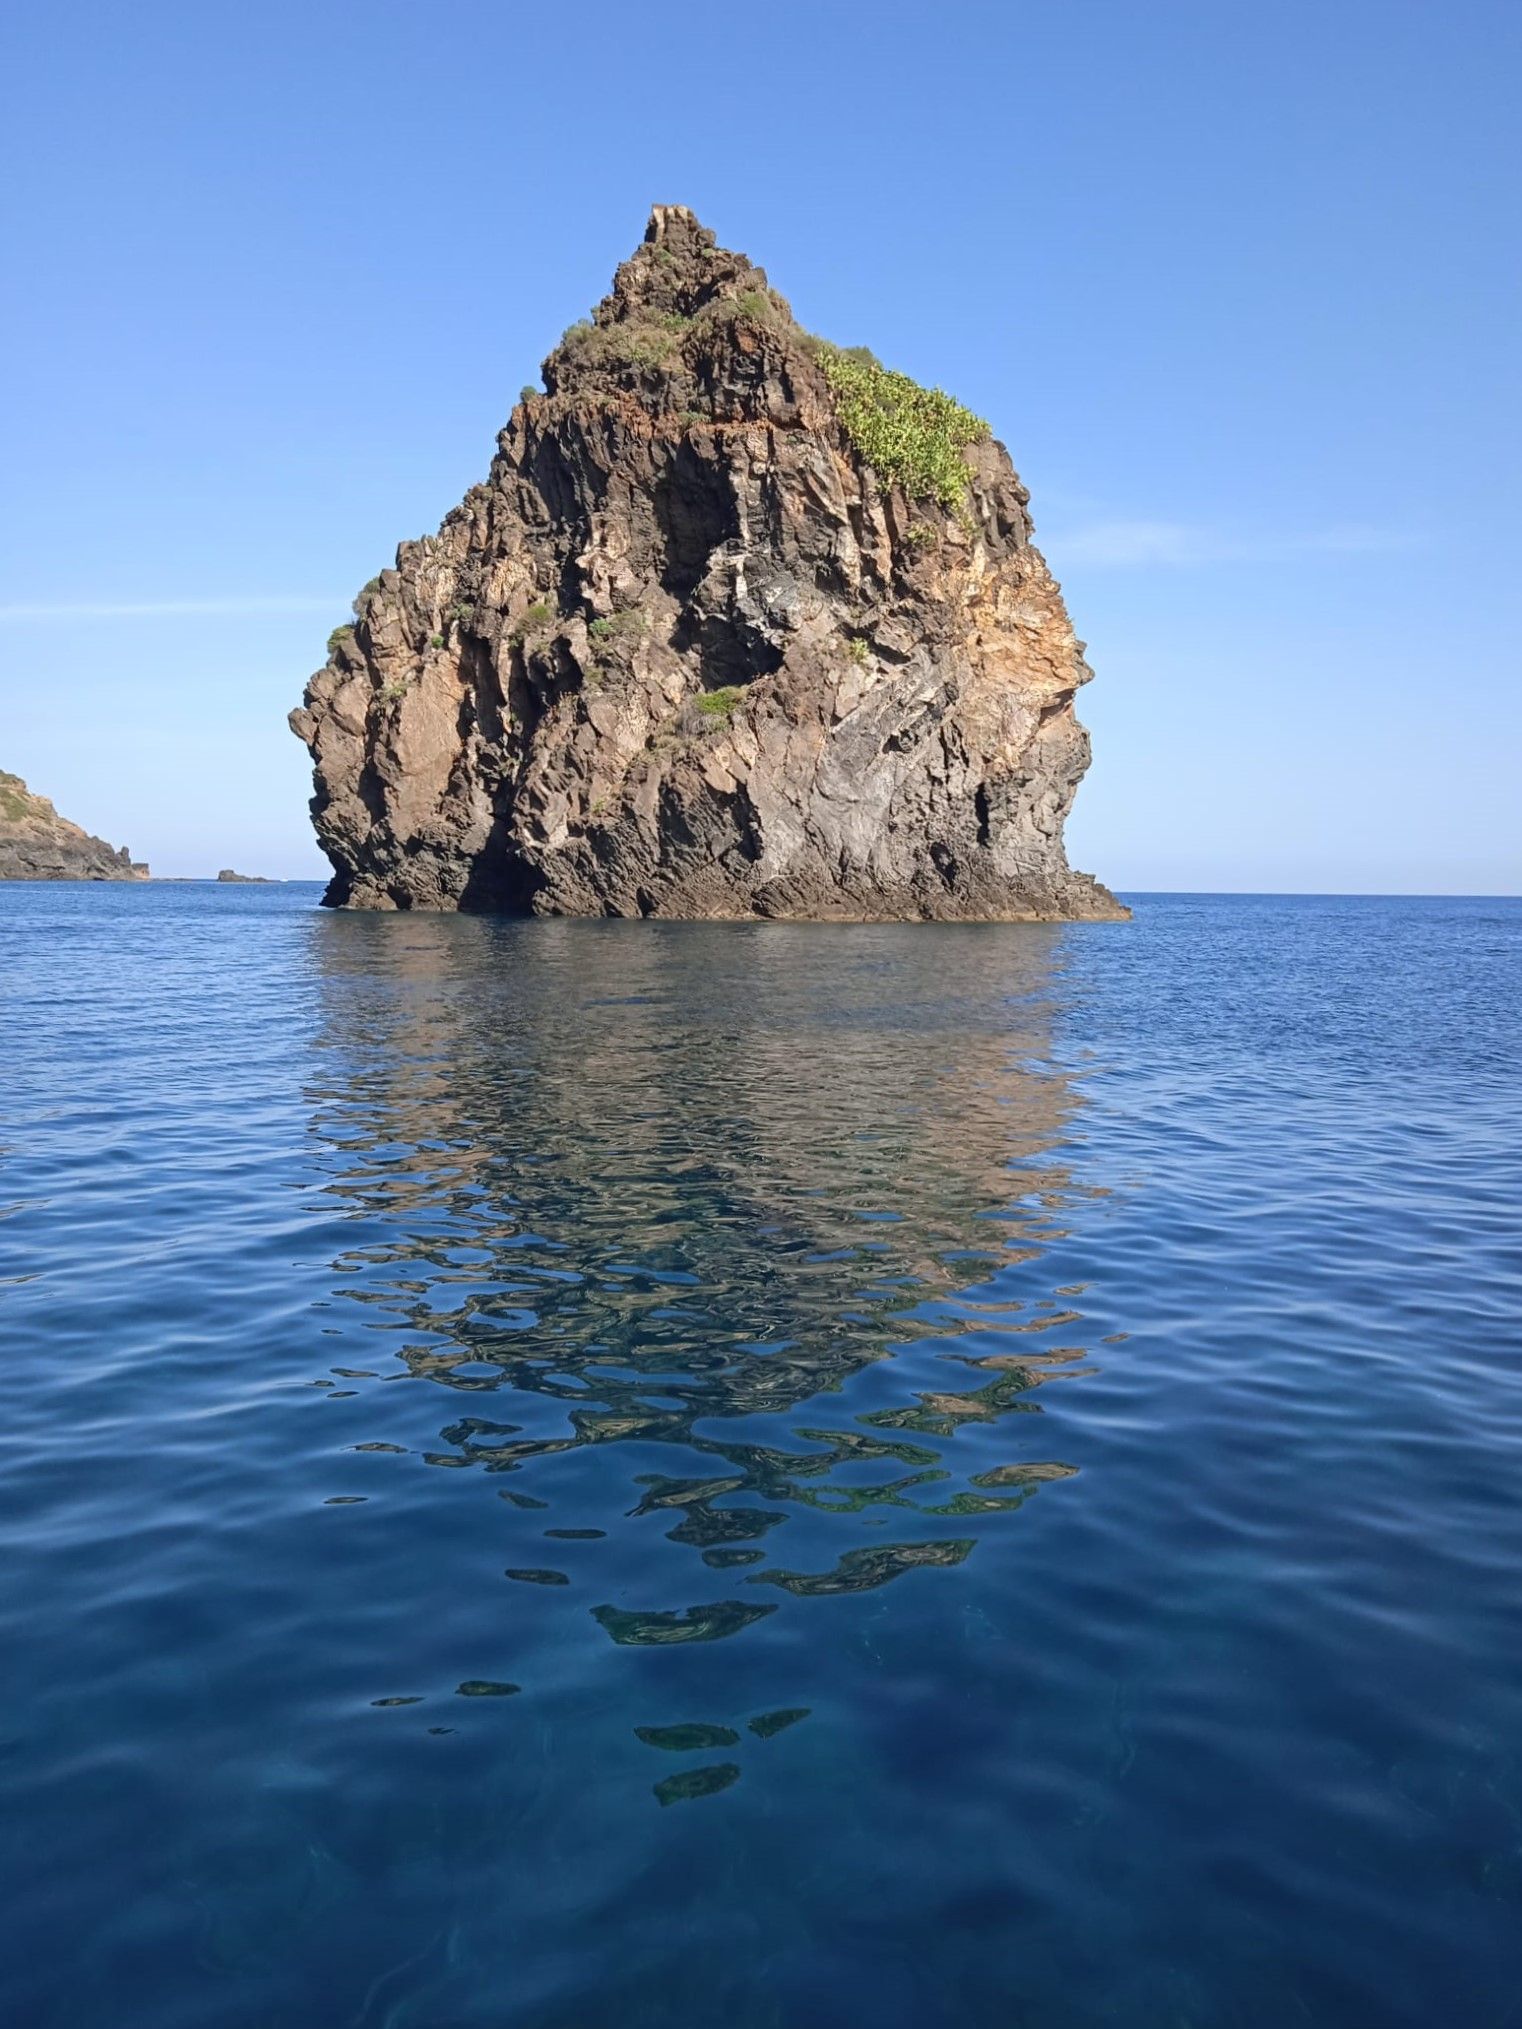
862	1570
691	1738
697	1782
765	1724
659	1187
708	1623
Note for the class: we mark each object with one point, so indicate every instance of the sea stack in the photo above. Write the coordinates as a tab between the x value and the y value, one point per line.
741	624
36	844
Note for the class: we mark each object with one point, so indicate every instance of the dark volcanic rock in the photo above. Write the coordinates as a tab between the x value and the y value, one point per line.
36	844
244	880
691	652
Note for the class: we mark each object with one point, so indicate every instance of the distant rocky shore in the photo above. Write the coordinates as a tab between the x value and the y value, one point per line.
36	844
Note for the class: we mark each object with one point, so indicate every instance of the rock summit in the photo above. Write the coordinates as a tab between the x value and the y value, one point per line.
741	623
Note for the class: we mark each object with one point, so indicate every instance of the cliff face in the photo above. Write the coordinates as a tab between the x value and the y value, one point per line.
739	625
36	844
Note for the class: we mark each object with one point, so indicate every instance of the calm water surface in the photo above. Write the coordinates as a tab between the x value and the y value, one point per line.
658	1476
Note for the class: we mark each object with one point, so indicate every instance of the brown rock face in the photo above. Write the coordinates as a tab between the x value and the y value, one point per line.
691	652
36	844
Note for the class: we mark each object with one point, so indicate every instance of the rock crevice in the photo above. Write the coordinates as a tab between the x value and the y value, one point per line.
738	625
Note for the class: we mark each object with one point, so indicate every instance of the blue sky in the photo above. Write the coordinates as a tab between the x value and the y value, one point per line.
1237	286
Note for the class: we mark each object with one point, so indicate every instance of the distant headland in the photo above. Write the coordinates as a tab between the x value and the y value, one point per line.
36	844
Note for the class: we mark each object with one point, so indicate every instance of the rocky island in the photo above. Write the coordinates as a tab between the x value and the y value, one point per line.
740	624
36	844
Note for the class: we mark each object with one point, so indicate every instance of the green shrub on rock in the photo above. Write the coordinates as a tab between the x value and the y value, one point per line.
720	704
618	626
912	436
635	341
531	619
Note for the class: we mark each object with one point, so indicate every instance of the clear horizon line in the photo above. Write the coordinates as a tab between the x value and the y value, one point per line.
1121	889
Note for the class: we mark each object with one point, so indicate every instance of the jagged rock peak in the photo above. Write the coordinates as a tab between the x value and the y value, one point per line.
739	624
677	278
679	269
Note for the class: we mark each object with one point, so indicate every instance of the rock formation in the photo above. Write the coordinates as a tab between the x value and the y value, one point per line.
740	624
36	844
228	877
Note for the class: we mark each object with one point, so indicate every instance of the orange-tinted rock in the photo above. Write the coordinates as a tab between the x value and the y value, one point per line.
686	653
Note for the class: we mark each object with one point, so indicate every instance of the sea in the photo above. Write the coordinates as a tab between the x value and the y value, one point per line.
598	1475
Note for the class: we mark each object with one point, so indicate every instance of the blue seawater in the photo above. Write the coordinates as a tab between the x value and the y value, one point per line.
656	1475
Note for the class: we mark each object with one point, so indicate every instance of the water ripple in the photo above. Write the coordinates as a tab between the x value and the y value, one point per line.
475	1387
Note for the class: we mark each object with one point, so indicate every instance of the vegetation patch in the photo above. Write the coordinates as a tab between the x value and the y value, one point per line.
635	342
857	649
656	340
912	436
531	619
755	305
618	626
339	635
604	636
720	704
